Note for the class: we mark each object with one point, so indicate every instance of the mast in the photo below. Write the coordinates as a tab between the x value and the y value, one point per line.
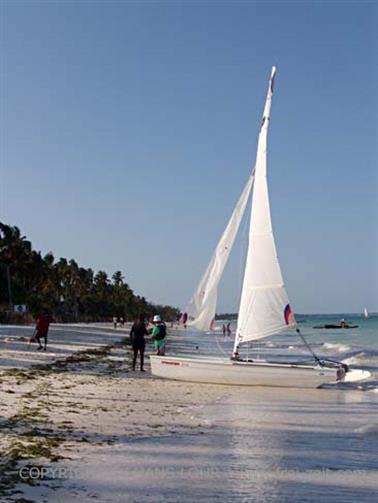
264	306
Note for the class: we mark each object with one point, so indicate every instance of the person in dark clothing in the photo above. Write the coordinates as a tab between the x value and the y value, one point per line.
42	329
137	333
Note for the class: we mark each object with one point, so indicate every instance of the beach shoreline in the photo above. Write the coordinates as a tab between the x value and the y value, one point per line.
84	427
49	411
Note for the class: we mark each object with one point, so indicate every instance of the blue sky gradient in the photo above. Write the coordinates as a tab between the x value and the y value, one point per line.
128	130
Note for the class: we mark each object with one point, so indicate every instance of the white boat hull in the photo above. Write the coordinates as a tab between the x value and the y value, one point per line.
217	371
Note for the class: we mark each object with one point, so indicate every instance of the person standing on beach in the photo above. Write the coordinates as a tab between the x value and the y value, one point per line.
159	333
137	333
183	319
42	329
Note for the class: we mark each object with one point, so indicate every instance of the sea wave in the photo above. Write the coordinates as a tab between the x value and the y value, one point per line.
353	360
368	429
340	348
370	385
364	357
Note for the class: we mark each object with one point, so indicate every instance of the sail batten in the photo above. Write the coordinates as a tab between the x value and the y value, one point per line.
267	287
264	306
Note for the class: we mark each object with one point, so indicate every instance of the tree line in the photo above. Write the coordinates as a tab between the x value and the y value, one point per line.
63	288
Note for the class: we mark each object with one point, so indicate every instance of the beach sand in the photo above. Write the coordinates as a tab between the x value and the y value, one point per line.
82	427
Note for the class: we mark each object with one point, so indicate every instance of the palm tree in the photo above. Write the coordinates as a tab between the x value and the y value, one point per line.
14	253
63	287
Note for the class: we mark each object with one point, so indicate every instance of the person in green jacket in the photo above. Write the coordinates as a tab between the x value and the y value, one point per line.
159	335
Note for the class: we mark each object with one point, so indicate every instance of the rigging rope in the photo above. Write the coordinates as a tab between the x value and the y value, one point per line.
220	347
317	359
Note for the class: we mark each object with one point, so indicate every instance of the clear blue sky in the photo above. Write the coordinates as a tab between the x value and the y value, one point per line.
128	130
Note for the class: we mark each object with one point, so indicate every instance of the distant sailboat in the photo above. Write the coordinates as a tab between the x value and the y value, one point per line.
366	314
264	307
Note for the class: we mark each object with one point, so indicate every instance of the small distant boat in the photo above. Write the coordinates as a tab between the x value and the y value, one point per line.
331	325
366	314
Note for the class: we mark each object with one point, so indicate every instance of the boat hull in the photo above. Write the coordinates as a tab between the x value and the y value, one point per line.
230	372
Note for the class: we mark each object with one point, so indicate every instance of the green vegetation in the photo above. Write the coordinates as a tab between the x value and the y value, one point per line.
63	288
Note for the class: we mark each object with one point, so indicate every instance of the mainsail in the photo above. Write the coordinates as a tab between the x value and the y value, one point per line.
264	306
202	306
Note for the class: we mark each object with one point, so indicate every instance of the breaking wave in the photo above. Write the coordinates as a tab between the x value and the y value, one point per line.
364	357
340	348
368	429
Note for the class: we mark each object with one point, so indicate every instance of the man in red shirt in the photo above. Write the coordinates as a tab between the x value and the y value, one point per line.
42	329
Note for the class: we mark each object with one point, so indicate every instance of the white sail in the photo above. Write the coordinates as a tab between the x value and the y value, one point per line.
366	314
264	306
202	306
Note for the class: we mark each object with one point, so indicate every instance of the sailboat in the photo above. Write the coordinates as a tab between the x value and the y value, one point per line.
264	306
366	314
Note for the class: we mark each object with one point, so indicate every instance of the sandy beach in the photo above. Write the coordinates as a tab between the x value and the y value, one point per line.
76	424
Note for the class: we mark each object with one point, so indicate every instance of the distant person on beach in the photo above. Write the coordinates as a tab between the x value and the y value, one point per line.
137	333
228	329
184	319
114	321
42	329
224	330
159	333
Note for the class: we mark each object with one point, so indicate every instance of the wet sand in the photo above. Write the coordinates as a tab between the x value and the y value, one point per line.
88	429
